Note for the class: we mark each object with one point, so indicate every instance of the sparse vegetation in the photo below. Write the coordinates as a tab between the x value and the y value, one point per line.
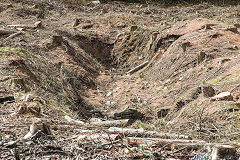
74	76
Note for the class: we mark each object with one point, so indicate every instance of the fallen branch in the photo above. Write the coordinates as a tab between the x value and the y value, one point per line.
176	142
121	122
151	141
99	137
69	119
137	68
37	24
142	133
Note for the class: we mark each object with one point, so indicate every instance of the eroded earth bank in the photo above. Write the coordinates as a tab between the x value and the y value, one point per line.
119	81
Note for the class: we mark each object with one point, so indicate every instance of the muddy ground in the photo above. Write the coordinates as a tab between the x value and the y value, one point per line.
65	68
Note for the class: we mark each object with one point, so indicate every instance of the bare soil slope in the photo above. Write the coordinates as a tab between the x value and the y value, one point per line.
63	69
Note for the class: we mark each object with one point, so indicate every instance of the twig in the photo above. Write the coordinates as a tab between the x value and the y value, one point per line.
137	68
179	150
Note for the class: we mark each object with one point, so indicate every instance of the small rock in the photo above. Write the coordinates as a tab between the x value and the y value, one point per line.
96	2
235	47
115	90
121	25
108	103
208	91
224	96
38	24
109	94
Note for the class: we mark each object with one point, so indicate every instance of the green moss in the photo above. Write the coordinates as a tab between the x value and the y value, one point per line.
85	34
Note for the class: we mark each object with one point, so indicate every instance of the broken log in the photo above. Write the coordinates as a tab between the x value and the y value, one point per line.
142	133
112	123
137	68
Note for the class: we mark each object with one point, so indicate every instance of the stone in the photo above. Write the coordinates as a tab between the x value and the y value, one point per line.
108	103
208	91
224	96
38	24
109	94
96	2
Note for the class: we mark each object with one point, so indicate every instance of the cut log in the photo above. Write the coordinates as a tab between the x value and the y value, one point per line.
142	133
135	69
113	123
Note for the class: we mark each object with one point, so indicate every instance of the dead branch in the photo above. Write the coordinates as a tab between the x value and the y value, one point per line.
142	133
69	119
137	68
151	141
176	142
99	137
121	122
37	24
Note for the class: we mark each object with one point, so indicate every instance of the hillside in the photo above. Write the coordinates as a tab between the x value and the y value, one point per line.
119	80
